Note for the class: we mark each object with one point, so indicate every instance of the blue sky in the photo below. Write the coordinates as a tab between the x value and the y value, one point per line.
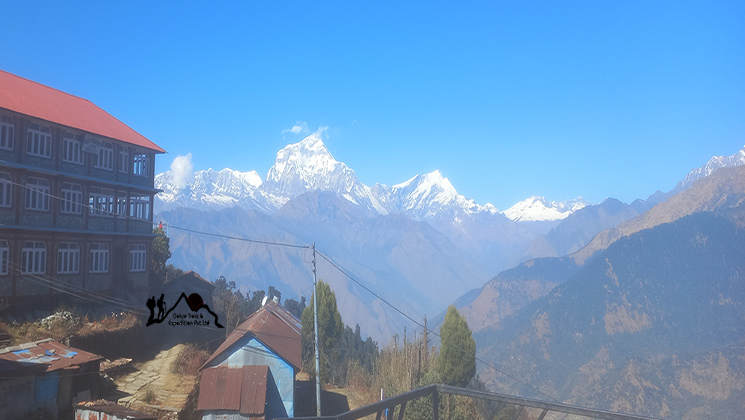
507	99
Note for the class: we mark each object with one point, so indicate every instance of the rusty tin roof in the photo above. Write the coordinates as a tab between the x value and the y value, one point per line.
275	327
114	409
50	353
234	389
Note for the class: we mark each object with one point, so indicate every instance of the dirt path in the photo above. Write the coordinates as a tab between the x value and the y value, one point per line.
167	391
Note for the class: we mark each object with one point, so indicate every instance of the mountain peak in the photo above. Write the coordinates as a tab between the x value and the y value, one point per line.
538	209
307	166
716	162
428	195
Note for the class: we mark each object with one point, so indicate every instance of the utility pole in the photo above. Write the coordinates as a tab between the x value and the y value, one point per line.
315	320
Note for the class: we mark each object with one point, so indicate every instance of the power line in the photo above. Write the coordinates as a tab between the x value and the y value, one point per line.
405	315
431	331
237	238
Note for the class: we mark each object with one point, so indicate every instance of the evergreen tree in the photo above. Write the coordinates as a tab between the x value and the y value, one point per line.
296	308
456	363
159	254
330	329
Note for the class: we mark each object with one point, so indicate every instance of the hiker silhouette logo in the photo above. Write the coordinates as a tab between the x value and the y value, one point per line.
195	304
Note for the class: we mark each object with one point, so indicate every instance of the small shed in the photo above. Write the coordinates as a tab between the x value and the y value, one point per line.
108	410
45	376
270	337
189	283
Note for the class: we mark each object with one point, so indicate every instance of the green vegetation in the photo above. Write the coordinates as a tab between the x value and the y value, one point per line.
296	308
330	329
456	363
159	255
237	308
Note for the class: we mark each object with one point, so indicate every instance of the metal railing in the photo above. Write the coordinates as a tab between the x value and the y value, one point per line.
388	406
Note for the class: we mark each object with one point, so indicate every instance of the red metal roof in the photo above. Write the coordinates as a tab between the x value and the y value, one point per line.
275	327
50	353
34	99
234	389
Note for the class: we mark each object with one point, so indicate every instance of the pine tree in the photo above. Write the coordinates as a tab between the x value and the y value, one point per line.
330	329
456	363
159	254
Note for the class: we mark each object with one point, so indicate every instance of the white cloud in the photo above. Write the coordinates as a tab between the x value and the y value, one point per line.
320	131
182	171
299	127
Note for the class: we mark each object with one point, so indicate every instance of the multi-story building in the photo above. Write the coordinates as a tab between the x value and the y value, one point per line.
76	194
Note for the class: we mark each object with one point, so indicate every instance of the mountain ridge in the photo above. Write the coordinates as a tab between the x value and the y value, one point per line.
308	165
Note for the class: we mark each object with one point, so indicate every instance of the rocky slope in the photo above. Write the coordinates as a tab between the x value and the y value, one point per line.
652	325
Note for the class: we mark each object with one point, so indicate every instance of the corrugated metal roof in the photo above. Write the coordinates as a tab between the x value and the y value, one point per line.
275	327
233	389
50	353
34	99
114	409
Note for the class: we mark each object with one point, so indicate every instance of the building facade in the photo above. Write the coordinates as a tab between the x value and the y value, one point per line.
76	194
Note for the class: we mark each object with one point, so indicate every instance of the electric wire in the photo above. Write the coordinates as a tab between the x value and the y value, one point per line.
236	238
429	330
271	243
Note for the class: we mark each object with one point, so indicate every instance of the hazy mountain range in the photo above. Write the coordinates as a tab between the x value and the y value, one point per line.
406	238
583	290
418	243
648	318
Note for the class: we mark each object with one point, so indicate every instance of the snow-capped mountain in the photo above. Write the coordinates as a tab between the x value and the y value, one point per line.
308	166
212	189
716	162
427	195
538	209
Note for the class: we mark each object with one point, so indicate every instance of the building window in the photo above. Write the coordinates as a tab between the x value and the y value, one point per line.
33	257
121	204
105	157
37	194
141	165
7	129
4	257
72	148
6	189
123	162
68	258
101	202
39	141
72	198
139	207
99	258
137	257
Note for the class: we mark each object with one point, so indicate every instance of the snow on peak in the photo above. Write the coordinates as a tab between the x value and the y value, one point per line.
716	162
307	166
427	195
210	188
537	208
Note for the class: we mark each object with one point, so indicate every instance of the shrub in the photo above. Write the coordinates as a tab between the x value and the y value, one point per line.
189	360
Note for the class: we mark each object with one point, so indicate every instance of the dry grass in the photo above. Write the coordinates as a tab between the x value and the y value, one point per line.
149	397
114	322
59	328
189	360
